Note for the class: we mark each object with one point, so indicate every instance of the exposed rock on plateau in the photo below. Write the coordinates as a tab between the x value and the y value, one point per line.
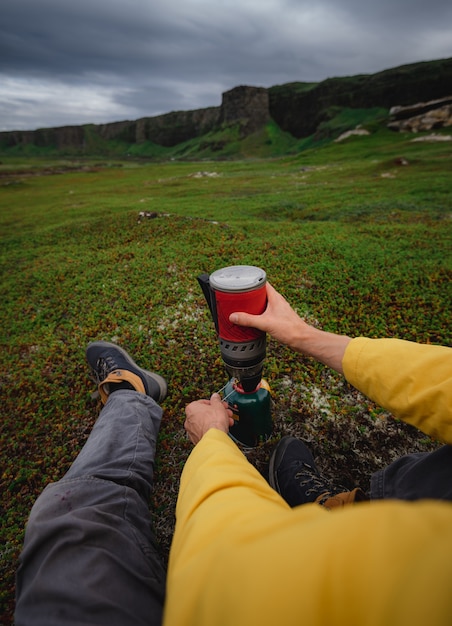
422	116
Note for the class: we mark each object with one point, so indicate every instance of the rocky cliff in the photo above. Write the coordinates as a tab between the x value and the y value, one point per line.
297	108
166	130
246	106
300	109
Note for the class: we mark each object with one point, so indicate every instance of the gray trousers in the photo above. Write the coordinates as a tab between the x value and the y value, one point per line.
415	477
89	555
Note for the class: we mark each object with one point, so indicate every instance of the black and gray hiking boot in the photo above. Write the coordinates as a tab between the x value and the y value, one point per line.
111	365
294	475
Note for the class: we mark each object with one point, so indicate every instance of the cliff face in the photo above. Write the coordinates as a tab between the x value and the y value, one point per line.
301	111
246	106
60	138
166	130
297	108
249	106
174	128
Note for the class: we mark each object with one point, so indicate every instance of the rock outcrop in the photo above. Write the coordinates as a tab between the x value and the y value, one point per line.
422	116
350	133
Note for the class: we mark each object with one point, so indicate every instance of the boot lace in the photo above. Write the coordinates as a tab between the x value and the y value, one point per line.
104	366
313	483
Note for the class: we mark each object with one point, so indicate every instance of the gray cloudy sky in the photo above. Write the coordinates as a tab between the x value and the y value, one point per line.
77	61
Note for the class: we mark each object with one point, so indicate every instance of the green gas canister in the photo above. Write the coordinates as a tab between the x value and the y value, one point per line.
251	413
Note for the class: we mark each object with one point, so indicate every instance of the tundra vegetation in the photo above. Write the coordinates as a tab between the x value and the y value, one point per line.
357	236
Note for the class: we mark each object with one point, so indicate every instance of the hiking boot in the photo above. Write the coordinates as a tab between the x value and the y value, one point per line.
294	475
111	365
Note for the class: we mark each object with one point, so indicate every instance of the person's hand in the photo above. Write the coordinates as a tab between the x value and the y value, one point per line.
279	320
202	415
286	326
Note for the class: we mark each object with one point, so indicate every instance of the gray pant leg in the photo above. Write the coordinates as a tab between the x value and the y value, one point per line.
89	554
415	476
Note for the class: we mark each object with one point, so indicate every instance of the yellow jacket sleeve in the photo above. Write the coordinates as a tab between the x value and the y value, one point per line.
240	556
413	381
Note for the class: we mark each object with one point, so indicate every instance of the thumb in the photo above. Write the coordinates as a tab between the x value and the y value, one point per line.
244	319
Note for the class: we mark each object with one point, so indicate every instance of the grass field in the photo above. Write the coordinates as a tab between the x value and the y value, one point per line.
356	235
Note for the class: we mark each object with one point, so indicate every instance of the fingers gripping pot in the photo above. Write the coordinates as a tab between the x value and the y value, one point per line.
243	349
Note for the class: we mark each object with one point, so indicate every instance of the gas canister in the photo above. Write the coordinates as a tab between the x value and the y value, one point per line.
251	412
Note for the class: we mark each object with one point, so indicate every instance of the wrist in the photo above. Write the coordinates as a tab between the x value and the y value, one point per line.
217	426
327	348
304	338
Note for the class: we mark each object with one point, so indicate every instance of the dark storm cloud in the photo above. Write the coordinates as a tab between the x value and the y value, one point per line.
109	36
70	39
74	62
